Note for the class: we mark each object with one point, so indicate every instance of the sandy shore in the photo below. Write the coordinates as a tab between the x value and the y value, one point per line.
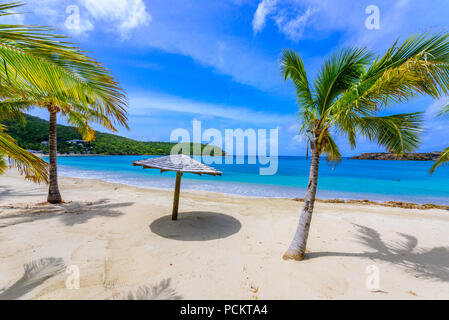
223	247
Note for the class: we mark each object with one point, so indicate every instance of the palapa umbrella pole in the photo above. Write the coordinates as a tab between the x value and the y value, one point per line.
174	215
179	163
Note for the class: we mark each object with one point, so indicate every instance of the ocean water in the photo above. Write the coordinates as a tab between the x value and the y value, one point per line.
351	179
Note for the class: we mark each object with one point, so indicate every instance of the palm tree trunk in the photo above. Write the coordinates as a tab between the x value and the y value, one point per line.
297	247
53	190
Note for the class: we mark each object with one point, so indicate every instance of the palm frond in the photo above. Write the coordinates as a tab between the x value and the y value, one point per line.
414	77
292	67
338	74
33	167
81	122
443	160
435	47
3	165
307	117
4	7
331	150
444	111
13	108
420	66
397	133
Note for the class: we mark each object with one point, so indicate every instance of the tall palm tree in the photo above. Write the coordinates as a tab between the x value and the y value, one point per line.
443	159
348	96
40	69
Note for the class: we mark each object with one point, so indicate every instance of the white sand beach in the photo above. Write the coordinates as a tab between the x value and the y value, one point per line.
222	246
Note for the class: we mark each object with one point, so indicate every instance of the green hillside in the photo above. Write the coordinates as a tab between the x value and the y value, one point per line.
34	131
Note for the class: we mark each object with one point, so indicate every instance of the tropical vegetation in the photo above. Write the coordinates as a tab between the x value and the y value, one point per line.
349	98
33	134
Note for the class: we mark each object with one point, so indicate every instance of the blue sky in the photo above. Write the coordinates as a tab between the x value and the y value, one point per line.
218	61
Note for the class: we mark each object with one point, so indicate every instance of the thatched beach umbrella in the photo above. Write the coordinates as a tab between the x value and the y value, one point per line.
181	164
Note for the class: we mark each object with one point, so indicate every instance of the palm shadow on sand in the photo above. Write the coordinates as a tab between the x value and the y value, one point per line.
159	291
196	226
7	192
35	273
431	264
73	213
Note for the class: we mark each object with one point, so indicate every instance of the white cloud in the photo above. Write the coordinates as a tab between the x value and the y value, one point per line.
143	104
435	136
185	29
75	23
299	139
435	108
401	3
400	18
81	16
264	8
397	18
289	19
294	128
180	28
229	55
294	27
128	14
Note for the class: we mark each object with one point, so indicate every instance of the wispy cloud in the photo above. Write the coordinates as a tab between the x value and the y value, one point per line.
142	104
436	134
399	18
83	16
76	23
264	8
435	108
178	27
290	19
127	14
293	27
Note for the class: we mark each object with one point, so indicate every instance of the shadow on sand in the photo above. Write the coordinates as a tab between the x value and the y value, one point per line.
7	192
160	291
70	214
35	273
196	226
432	264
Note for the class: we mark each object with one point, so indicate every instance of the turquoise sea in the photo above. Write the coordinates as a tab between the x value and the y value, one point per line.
351	179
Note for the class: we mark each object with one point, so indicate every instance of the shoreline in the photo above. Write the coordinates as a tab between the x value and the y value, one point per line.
390	204
329	196
366	202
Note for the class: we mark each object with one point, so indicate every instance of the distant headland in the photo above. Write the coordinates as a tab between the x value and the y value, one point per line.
430	156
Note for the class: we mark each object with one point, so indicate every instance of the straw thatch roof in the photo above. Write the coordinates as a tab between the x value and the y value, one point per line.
179	163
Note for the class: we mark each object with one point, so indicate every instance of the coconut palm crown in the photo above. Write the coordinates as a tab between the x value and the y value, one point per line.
40	69
350	96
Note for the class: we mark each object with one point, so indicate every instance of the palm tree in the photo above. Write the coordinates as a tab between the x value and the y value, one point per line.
348	96
443	159
39	69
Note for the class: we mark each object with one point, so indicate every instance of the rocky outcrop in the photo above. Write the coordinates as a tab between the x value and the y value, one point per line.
431	156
